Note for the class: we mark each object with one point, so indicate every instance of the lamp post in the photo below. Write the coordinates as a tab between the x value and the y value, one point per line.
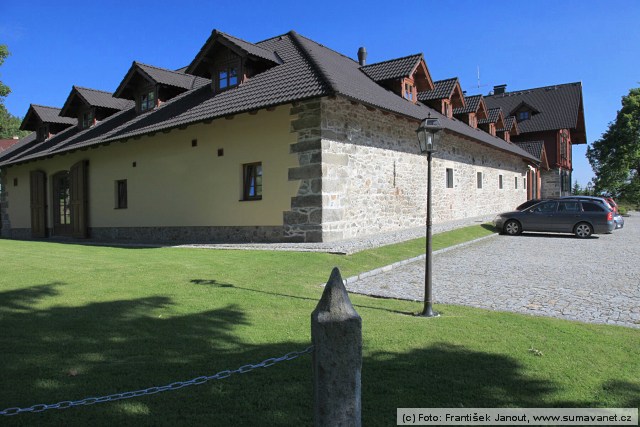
426	138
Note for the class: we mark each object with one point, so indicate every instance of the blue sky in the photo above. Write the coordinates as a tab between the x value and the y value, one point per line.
55	45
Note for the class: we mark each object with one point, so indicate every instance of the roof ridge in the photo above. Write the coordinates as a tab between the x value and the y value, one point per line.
45	106
445	80
501	95
162	69
93	90
326	47
393	59
322	74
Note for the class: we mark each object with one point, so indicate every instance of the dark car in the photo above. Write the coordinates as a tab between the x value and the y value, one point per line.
580	217
607	202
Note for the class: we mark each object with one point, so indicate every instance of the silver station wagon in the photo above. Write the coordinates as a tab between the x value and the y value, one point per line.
580	217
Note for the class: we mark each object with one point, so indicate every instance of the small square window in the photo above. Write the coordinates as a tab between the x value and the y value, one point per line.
523	115
252	181
194	142
227	77
121	194
15	182
479	179
220	152
148	100
449	178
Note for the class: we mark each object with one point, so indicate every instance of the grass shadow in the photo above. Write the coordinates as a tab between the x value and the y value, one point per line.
213	282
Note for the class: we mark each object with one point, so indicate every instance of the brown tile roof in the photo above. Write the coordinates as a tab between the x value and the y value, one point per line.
393	68
308	70
5	144
559	107
244	46
159	76
443	90
493	116
49	115
93	98
471	104
532	147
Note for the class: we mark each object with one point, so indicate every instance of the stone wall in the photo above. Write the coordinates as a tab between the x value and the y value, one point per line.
551	185
374	178
303	222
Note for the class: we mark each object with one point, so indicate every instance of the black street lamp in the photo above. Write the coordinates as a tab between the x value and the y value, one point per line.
426	137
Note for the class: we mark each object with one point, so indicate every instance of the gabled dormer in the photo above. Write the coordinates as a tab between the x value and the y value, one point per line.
494	121
474	109
510	129
445	97
523	111
90	106
150	86
229	61
45	121
406	76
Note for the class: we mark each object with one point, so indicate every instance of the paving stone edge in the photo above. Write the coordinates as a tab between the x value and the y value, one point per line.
386	268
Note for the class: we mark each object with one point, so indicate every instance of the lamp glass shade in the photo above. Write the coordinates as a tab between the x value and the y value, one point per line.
427	134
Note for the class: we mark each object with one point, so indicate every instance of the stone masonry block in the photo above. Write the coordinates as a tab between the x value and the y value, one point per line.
305	172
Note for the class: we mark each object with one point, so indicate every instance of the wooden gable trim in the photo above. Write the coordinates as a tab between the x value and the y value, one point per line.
422	84
457	97
500	121
482	111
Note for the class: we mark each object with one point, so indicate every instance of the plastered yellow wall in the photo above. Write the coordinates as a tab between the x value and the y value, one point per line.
175	184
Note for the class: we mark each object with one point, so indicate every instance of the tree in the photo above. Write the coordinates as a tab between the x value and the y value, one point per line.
615	157
9	124
4	89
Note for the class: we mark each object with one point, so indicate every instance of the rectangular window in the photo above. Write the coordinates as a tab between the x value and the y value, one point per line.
524	183
479	179
252	181
87	119
449	178
500	182
227	77
148	100
121	194
516	182
523	115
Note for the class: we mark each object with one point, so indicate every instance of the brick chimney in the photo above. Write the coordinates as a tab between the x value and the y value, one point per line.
499	89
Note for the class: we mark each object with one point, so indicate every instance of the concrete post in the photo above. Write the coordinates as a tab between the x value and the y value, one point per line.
336	334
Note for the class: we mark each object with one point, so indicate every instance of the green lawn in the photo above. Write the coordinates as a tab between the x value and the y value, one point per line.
80	321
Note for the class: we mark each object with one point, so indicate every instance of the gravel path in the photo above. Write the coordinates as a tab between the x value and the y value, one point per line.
594	280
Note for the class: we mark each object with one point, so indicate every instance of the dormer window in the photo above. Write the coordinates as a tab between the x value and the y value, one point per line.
42	132
227	77
86	121
147	100
523	115
408	91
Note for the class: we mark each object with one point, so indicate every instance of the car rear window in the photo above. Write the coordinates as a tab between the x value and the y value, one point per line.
592	207
569	207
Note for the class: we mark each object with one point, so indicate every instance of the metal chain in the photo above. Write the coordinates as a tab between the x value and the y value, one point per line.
153	390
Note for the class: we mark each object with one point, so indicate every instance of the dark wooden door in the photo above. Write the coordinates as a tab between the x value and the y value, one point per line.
38	204
79	199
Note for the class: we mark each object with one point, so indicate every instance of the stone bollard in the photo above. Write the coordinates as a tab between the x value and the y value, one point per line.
336	334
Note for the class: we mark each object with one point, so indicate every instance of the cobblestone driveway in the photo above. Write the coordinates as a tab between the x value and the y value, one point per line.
593	280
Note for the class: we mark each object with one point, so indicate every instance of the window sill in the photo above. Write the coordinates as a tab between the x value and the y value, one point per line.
250	200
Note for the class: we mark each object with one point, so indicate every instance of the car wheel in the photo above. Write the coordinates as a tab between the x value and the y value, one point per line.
583	230
512	227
